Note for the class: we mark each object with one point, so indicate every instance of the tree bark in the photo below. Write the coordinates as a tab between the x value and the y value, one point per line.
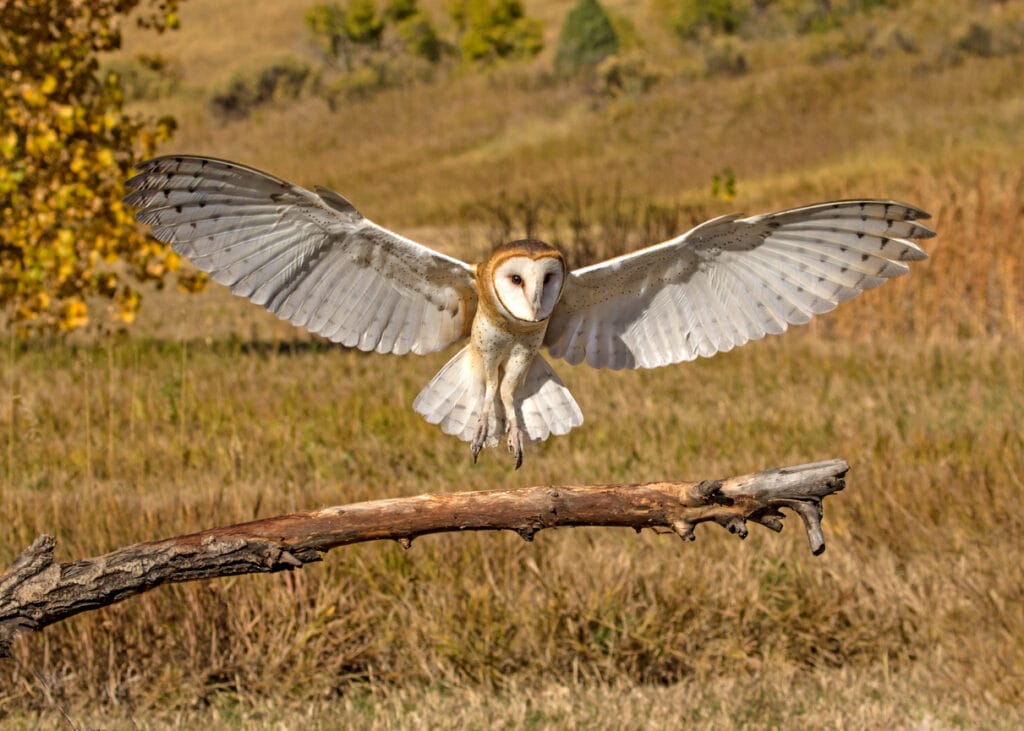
36	591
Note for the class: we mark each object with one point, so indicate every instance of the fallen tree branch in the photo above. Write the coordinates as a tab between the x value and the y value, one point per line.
36	591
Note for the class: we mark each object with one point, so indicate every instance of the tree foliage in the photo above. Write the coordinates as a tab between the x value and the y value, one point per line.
342	30
66	147
587	37
490	30
420	38
690	17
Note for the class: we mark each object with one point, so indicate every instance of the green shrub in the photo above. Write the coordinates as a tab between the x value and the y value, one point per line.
495	29
360	83
724	57
363	25
339	30
587	38
976	41
420	38
399	10
244	91
691	17
326	24
629	74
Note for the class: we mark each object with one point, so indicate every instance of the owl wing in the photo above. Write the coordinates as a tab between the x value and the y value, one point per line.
310	258
730	280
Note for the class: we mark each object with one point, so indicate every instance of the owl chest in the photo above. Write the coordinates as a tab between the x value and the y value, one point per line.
498	345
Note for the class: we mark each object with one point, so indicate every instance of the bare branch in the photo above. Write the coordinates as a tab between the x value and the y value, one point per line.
36	591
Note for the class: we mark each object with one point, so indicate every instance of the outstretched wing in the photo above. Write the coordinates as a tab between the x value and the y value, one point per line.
310	258
730	280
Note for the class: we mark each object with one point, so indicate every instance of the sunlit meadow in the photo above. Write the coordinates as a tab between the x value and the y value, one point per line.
207	411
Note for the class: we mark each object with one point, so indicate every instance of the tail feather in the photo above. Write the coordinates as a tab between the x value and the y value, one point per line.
454	399
546	406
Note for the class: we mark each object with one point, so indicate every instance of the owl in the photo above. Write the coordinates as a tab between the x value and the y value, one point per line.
311	258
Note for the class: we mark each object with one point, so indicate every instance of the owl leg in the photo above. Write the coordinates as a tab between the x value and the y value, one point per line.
488	424
514	433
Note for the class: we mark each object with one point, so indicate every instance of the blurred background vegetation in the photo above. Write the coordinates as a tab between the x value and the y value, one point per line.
600	126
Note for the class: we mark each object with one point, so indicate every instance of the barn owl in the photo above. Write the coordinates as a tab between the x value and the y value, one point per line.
311	258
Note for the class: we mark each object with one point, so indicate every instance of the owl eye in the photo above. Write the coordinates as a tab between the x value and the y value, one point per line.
547	277
516	279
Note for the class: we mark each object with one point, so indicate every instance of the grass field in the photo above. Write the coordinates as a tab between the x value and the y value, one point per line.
209	412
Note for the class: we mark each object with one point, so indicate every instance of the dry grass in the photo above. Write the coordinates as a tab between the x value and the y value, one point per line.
210	412
922	579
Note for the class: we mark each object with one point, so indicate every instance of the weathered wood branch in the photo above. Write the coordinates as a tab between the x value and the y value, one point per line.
36	591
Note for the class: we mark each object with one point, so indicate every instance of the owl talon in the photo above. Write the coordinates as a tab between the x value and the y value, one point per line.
479	438
515	444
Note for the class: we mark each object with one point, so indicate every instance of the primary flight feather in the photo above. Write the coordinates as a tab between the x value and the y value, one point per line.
311	258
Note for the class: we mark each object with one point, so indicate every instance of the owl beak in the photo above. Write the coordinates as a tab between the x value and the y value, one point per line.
535	303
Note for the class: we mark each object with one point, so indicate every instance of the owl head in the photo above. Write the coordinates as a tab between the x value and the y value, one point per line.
525	279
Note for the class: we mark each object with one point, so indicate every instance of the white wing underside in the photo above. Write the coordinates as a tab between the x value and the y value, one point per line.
310	258
454	399
730	280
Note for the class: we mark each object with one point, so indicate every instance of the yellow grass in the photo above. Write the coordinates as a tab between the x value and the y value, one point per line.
209	412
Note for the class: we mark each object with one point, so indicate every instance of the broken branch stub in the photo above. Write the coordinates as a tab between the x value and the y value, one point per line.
36	591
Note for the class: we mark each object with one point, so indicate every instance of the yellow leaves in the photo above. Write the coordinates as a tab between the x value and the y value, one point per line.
9	145
32	96
66	147
34	306
73	315
65	242
78	164
155	269
41	143
192	282
128	304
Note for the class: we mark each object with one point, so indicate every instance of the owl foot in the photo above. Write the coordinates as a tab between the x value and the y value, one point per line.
480	438
487	429
515	443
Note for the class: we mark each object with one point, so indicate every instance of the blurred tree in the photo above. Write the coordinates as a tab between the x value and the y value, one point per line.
340	29
326	22
401	9
490	30
66	148
363	24
416	33
587	38
420	38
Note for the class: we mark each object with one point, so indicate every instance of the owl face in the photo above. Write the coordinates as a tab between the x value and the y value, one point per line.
528	288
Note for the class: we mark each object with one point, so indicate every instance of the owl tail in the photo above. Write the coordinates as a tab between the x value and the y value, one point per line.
454	399
546	406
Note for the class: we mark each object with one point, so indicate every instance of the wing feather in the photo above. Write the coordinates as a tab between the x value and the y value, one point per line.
731	280
769	307
309	257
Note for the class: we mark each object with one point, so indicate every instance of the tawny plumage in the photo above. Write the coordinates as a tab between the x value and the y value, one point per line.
314	260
